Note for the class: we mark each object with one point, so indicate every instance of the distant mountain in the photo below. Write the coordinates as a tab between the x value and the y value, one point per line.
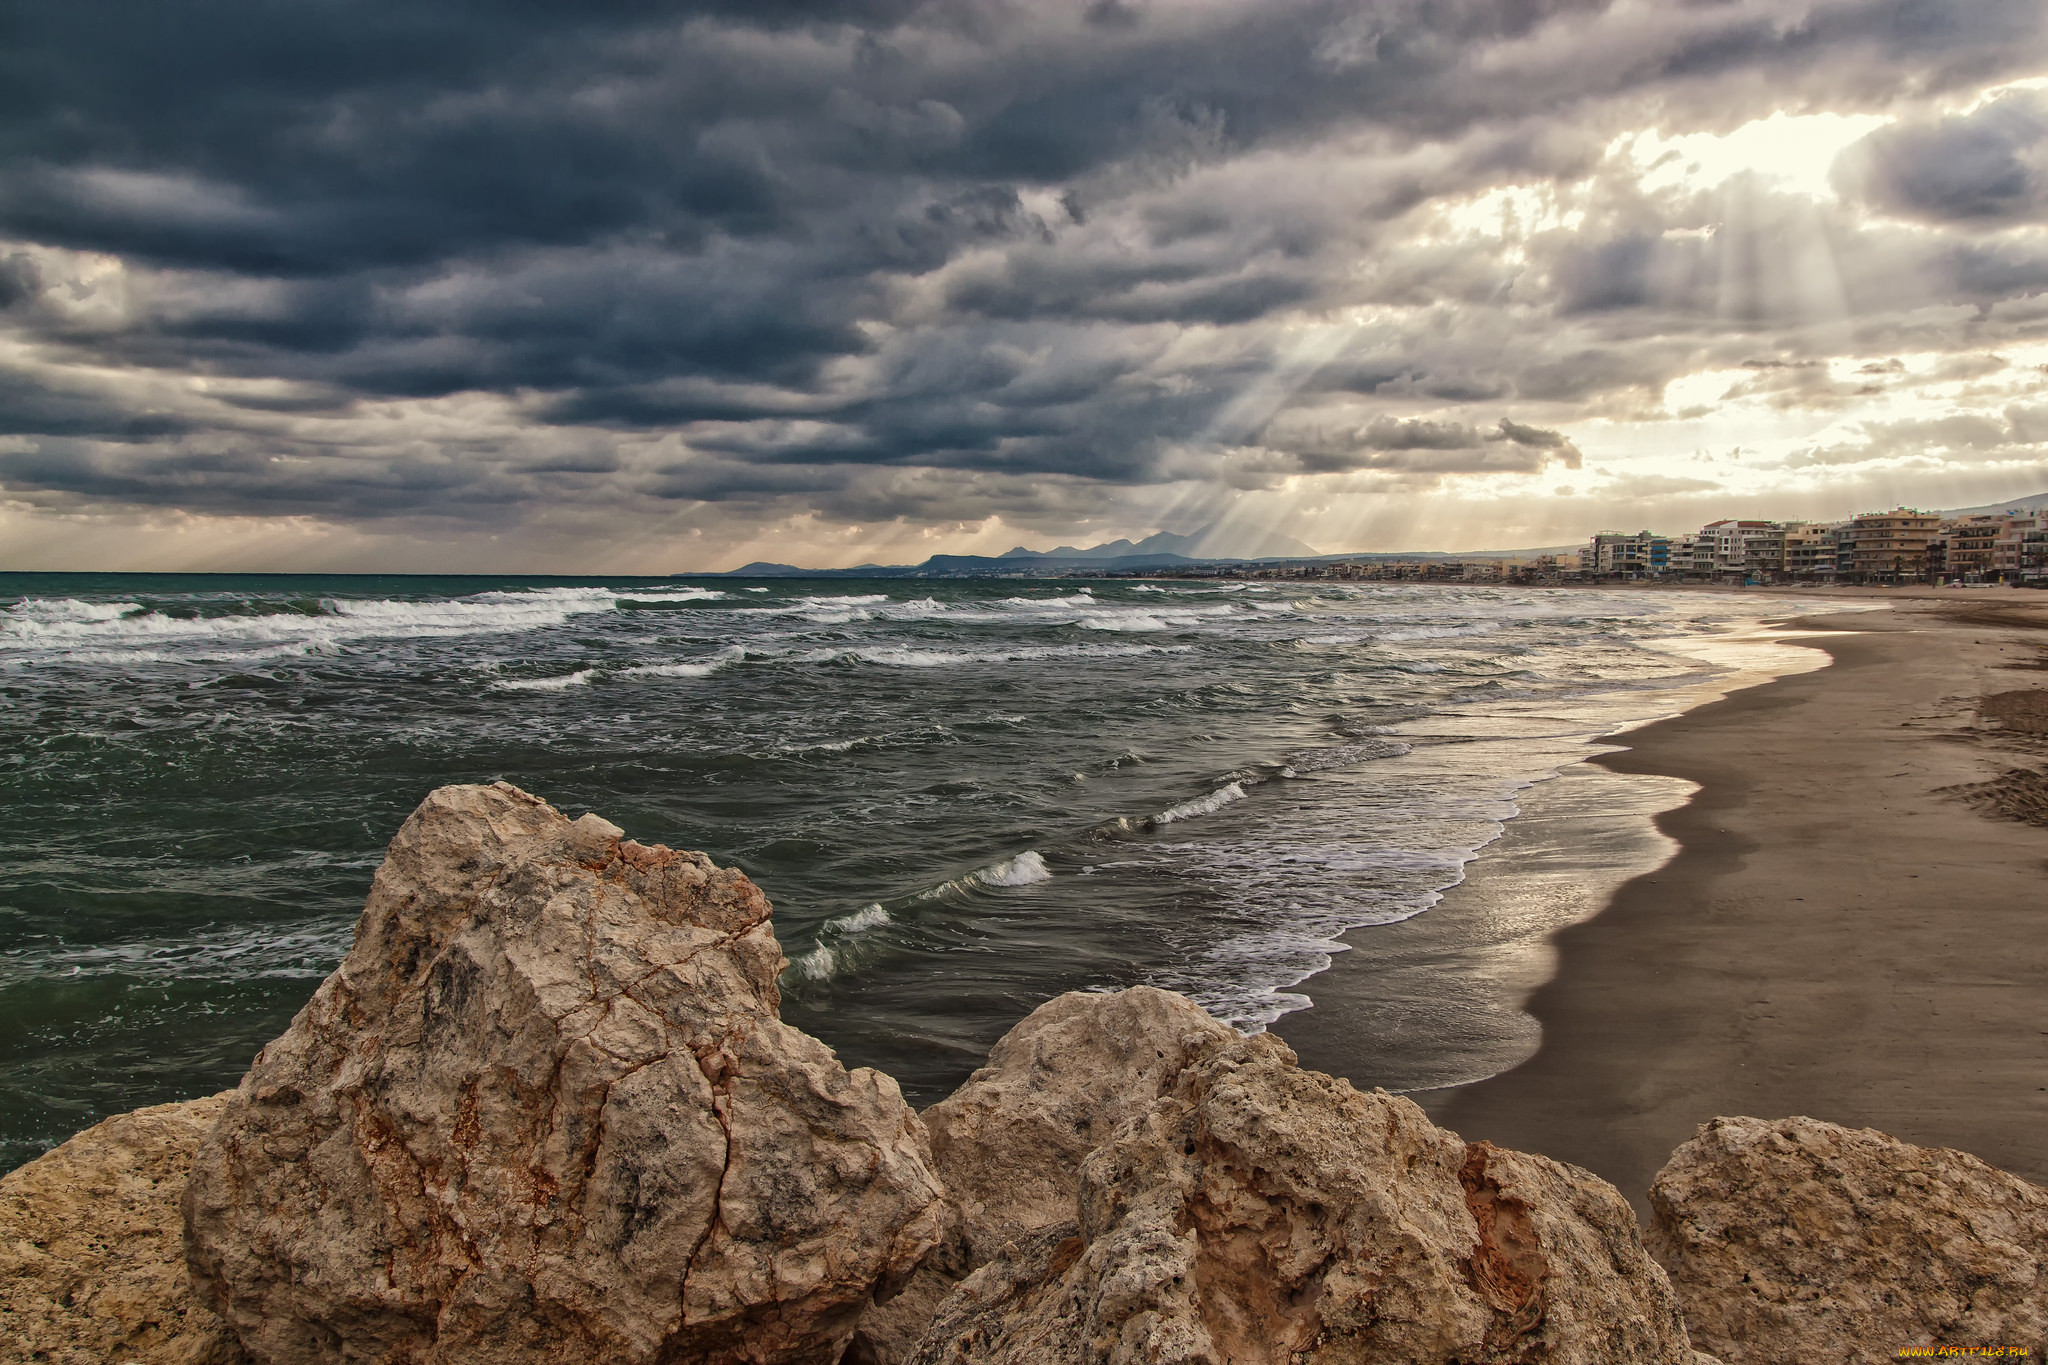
1212	544
1115	549
2034	502
762	568
1214	541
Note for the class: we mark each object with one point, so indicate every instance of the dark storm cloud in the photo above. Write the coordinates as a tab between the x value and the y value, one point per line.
455	259
1429	447
19	279
1989	166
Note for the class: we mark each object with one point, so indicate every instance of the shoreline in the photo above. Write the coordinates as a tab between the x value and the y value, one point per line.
1832	936
1578	837
1377	1012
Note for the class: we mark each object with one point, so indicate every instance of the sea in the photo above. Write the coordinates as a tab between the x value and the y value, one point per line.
962	796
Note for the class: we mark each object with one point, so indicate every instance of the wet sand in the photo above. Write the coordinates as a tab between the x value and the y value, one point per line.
1833	936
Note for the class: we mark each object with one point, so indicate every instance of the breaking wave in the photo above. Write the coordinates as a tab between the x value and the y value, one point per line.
1026	869
1202	805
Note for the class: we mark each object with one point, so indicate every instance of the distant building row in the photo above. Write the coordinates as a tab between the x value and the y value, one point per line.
1899	546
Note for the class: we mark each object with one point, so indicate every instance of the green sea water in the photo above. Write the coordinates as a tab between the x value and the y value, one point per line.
962	796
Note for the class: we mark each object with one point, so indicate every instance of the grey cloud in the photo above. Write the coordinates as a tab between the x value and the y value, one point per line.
2018	433
19	279
825	255
1988	166
1419	434
1423	445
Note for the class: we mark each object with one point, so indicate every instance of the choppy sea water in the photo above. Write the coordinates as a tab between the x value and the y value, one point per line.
962	797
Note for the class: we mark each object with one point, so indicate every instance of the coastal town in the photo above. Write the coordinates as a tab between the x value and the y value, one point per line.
1899	546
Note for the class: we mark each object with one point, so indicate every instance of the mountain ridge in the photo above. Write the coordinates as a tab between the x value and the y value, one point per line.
1167	550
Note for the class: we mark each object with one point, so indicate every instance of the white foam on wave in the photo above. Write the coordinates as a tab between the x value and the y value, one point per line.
827	602
1026	869
819	964
860	921
834	953
699	670
1443	632
1343	756
123	633
835	609
580	678
825	746
57	610
1137	621
684	668
672	595
487	612
1201	805
304	950
905	656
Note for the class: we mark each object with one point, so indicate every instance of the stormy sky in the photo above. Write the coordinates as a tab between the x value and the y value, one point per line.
623	286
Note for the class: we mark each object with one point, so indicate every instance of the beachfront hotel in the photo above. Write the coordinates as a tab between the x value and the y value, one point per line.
1895	546
1898	545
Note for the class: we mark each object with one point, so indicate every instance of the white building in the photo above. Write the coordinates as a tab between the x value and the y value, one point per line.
1740	549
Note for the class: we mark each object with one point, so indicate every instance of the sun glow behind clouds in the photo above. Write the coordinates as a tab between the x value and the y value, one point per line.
1438	276
1513	212
1797	151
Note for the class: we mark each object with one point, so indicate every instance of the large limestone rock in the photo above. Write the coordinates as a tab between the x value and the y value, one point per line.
1010	1141
1257	1214
91	1270
1794	1239
544	1111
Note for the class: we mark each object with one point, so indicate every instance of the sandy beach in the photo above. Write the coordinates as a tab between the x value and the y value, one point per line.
1833	934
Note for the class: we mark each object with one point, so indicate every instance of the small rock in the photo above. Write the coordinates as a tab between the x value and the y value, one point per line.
544	1112
91	1267
1794	1239
1260	1214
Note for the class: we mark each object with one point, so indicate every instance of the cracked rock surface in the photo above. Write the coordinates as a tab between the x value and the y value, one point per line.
545	1111
1258	1214
1010	1141
1795	1239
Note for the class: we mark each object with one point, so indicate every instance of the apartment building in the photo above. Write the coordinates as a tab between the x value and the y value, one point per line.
1896	546
1891	547
1963	548
2020	554
1810	550
1641	554
1740	549
1683	554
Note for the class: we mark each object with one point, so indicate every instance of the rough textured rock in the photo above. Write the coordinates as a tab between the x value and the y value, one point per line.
1258	1213
91	1268
544	1111
1010	1141
1794	1239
